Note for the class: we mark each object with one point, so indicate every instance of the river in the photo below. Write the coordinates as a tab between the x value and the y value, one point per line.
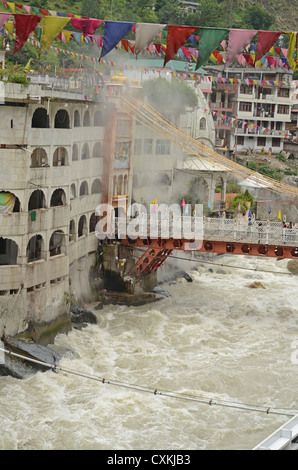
214	338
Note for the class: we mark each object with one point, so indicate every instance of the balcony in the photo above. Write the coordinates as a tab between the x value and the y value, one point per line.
222	107
226	125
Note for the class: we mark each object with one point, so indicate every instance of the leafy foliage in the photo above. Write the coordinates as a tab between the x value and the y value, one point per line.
244	199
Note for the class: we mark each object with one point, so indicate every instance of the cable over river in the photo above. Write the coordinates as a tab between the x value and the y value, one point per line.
228	351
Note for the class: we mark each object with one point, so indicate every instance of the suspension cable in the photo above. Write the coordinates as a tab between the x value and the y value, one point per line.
165	393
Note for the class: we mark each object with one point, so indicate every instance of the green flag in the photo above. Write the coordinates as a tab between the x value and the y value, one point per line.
209	40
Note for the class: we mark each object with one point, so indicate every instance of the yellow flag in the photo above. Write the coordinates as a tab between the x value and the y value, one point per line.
9	27
291	50
154	202
51	27
67	35
27	66
279	215
12	6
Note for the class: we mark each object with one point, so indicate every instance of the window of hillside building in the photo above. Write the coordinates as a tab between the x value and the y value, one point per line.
283	92
38	158
62	119
245	106
8	251
240	140
162	147
40	119
97	150
99	119
261	142
267	91
246	89
76	119
283	109
275	142
278	126
37	200
123	128
148	146
58	198
60	157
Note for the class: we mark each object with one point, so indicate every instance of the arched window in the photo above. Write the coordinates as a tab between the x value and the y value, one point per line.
97	150
37	200
34	248
58	198
92	223
8	202
57	243
76	119
73	191
96	186
84	189
75	153
40	119
60	157
38	158
8	251
86	120
62	119
99	119
82	227
72	230
203	123
85	152
164	179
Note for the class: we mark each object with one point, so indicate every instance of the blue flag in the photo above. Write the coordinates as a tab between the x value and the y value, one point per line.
114	32
269	209
249	213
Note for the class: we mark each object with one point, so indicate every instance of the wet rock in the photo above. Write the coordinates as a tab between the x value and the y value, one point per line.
187	277
292	266
99	306
161	291
82	315
21	368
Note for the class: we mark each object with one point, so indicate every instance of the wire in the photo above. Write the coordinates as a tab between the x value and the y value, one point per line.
155	121
165	393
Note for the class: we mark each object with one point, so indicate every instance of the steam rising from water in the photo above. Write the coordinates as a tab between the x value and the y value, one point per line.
214	338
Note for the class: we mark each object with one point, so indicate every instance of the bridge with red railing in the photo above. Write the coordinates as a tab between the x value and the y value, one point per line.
219	235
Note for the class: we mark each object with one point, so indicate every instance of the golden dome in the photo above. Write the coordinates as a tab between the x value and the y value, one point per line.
119	78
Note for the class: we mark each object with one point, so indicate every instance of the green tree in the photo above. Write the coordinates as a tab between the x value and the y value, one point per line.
257	18
210	13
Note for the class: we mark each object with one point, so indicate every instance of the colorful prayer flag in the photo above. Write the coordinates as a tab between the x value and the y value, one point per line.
177	36
24	26
210	39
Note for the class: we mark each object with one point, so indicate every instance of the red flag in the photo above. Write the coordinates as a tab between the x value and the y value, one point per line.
177	36
88	26
24	26
266	39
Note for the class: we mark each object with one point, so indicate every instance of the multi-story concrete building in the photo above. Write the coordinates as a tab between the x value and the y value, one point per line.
254	101
51	159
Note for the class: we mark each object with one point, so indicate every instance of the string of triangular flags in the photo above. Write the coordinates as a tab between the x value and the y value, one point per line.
114	31
166	72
